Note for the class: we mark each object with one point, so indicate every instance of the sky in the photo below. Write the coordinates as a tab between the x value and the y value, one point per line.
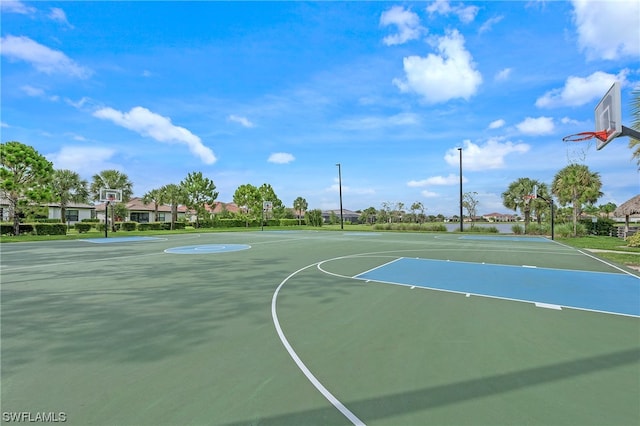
282	92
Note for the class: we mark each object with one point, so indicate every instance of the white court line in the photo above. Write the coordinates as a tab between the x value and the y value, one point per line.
314	381
377	267
548	306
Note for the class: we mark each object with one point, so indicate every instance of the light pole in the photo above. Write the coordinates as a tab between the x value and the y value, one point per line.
340	188
461	217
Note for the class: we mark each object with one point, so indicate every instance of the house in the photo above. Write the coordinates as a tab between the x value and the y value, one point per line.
347	215
220	208
74	212
137	211
499	217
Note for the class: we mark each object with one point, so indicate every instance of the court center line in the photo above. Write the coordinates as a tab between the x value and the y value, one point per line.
314	381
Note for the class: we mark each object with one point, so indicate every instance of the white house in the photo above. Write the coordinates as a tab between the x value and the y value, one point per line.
74	212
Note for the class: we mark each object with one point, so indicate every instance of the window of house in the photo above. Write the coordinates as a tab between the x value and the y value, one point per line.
72	215
160	217
139	217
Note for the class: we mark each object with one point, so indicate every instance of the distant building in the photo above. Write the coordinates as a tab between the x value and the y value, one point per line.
74	212
499	217
348	215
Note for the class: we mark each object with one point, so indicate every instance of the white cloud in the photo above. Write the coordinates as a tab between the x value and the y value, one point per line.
41	57
438	78
36	92
536	126
581	90
79	104
3	124
436	180
407	22
160	128
606	29
567	120
497	124
429	194
503	75
376	122
32	91
348	190
491	155
281	158
442	7
83	159
11	6
243	121
58	15
489	23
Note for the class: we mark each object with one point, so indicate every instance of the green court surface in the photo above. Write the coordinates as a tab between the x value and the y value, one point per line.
276	328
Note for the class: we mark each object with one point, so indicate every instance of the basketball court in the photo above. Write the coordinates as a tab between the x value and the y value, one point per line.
319	328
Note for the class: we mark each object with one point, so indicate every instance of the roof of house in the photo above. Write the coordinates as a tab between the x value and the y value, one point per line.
73	205
136	204
219	207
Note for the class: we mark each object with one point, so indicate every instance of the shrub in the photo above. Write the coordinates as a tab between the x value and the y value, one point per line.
6	229
536	229
288	222
129	226
634	240
90	220
517	229
603	226
82	227
488	229
565	230
50	229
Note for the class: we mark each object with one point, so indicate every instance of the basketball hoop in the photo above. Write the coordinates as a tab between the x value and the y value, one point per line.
583	136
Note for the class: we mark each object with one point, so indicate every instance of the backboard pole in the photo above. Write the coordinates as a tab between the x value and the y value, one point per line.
106	219
632	133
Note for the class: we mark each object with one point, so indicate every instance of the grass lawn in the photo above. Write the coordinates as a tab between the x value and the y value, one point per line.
613	249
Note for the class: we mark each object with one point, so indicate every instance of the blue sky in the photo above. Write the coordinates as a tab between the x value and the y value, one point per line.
279	92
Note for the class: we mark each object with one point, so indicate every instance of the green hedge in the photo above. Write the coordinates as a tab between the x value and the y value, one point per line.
288	222
603	226
35	228
82	227
51	229
129	226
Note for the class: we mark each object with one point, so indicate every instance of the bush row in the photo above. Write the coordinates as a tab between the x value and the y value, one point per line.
35	228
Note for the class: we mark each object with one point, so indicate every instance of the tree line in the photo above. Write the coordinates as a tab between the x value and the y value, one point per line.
27	177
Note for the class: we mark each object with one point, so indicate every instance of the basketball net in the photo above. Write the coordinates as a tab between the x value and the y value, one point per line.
577	150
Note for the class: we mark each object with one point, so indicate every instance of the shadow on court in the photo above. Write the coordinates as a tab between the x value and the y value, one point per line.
432	397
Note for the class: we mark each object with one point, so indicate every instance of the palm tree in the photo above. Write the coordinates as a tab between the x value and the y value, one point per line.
153	196
300	204
173	195
516	197
576	184
111	179
540	205
67	186
635	111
